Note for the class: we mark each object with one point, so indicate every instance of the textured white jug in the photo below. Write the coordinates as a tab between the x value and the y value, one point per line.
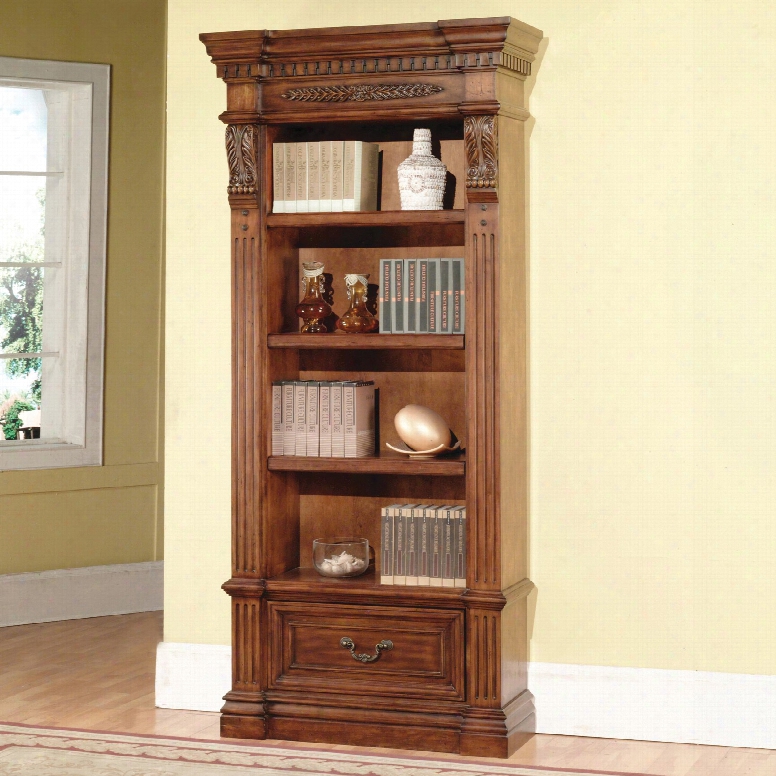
421	176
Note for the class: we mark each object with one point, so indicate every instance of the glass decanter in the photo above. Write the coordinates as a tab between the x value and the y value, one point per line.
357	319
313	308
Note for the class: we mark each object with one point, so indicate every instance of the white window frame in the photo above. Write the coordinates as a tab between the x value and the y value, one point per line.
73	382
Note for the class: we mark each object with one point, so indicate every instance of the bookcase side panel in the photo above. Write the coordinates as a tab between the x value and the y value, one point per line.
513	352
483	326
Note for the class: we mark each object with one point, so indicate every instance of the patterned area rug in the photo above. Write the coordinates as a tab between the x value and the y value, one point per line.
33	751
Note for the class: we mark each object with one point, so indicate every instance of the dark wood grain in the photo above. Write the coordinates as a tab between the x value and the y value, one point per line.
427	658
387	463
382	218
342	341
456	681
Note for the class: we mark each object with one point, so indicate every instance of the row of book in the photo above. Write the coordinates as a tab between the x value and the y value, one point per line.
423	545
323	419
422	296
326	176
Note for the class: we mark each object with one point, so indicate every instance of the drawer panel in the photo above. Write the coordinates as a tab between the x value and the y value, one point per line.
426	656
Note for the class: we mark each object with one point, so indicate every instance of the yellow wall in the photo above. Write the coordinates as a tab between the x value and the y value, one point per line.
653	526
65	518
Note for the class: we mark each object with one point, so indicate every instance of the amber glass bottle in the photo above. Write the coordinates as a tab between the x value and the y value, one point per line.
357	319
313	308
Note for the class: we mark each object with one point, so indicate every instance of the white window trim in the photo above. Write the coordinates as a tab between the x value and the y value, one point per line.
46	454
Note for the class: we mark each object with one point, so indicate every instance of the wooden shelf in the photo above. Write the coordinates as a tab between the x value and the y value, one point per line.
387	463
306	584
341	341
367	218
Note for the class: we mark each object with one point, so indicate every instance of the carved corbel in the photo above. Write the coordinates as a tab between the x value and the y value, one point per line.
481	143
241	154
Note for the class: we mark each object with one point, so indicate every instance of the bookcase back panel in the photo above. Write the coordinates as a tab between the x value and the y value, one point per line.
382	360
395	143
427	234
442	391
339	262
326	511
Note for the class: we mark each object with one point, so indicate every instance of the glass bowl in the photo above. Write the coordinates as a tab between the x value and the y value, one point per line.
341	557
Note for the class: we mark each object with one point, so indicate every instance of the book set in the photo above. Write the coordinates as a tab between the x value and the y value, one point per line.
423	545
326	176
323	419
422	296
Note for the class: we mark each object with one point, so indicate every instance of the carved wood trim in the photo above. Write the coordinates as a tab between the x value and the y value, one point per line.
360	92
246	424
246	665
445	62
484	640
482	389
481	142
241	155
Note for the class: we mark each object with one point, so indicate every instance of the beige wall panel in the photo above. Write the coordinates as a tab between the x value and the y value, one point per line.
130	36
652	269
99	527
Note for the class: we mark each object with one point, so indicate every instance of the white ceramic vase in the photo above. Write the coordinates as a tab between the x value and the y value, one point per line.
421	176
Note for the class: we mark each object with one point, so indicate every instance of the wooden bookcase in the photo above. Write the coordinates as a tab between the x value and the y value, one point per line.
456	678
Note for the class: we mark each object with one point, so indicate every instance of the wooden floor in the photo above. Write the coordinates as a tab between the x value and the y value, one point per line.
99	674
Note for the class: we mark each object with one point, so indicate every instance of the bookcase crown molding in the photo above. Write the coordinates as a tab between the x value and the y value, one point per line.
437	47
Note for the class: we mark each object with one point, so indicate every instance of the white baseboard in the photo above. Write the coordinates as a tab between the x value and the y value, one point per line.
73	594
698	707
192	676
647	704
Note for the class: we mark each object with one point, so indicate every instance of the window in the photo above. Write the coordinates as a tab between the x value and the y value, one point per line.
53	206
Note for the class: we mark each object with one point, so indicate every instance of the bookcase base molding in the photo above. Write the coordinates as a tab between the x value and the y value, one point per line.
362	661
429	728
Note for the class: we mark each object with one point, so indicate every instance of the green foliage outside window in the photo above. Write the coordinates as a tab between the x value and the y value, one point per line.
21	308
21	316
11	422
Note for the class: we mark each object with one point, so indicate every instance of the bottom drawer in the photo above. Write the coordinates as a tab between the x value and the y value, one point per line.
334	649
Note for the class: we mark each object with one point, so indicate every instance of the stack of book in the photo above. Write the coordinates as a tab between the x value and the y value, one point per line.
323	419
422	296
327	176
423	545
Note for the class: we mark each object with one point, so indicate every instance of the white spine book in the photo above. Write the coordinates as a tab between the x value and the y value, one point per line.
325	413
349	175
325	156
300	417
313	421
313	177
289	437
337	178
289	177
277	418
302	203
278	182
337	428
358	412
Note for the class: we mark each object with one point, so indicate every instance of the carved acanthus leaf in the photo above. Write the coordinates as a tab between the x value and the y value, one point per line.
360	92
241	155
481	142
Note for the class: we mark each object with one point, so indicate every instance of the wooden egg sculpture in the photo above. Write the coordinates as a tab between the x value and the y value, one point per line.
424	431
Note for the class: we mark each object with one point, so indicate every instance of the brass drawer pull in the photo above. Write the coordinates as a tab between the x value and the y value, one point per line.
347	643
